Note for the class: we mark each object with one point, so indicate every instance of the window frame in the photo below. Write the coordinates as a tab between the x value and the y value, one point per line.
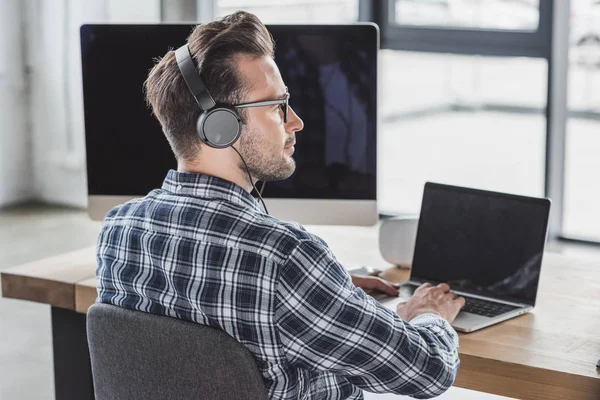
469	41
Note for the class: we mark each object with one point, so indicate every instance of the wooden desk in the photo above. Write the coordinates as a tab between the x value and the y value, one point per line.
51	280
550	353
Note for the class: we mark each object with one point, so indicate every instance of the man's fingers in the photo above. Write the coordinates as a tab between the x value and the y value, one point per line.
386	287
461	301
370	283
424	286
450	296
444	286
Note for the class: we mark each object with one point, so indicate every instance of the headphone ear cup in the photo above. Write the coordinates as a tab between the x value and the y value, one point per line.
219	127
199	129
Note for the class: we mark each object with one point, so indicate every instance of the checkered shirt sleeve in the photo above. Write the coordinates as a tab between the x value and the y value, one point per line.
327	324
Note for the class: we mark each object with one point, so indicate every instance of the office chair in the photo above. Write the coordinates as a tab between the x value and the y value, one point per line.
137	355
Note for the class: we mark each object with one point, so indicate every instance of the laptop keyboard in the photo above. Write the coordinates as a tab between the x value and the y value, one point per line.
472	305
485	308
406	291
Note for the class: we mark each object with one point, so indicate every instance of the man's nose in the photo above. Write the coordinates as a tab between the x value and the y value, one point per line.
294	123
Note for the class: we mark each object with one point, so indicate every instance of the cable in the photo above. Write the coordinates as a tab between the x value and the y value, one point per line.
251	182
262	187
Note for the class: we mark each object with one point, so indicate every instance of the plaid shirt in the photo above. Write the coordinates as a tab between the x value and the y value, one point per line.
201	249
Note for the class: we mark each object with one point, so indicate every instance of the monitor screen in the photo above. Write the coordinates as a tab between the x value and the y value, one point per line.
330	72
481	242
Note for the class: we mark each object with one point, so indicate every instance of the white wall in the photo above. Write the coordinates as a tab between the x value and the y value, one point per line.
57	108
42	141
15	169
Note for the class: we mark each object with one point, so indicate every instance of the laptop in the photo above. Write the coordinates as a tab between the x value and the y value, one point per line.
487	246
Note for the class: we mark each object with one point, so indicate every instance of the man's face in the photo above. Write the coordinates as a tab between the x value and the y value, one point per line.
267	143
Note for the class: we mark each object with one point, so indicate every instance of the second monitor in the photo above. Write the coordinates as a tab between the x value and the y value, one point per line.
331	74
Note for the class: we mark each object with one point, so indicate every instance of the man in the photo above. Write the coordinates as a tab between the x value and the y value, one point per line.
202	249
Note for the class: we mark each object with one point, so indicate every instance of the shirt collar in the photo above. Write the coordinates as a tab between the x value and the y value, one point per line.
208	187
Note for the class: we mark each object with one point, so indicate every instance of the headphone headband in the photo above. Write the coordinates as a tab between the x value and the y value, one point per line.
192	78
218	126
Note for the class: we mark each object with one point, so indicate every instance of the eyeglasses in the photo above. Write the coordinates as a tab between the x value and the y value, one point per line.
283	104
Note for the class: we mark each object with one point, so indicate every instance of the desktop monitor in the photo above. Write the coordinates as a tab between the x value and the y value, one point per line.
331	74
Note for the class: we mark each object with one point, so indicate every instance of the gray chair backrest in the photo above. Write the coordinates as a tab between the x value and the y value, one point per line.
137	355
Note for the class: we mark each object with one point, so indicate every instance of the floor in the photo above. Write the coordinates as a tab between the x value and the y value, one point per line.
27	234
31	232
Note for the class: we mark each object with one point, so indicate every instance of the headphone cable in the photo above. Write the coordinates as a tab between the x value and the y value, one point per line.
252	183
262	187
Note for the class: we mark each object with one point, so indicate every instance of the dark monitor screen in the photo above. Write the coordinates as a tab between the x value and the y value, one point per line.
481	242
331	74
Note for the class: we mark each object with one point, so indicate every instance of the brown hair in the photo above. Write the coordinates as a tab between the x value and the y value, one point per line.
215	47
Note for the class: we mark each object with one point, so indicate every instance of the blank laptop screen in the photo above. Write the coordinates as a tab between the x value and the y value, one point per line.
481	242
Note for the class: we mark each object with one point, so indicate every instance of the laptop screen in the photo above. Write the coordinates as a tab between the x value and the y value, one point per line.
481	242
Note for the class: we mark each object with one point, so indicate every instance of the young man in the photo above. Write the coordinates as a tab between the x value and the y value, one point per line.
202	249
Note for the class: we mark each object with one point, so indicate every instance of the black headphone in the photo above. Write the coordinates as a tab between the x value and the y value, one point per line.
218	125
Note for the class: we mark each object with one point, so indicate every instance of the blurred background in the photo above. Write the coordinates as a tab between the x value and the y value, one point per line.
466	100
495	94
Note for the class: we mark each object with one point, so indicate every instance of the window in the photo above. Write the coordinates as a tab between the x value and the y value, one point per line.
582	164
463	120
490	27
465	95
519	15
293	11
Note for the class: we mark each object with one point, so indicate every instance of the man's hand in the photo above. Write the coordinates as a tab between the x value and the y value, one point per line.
431	299
368	283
